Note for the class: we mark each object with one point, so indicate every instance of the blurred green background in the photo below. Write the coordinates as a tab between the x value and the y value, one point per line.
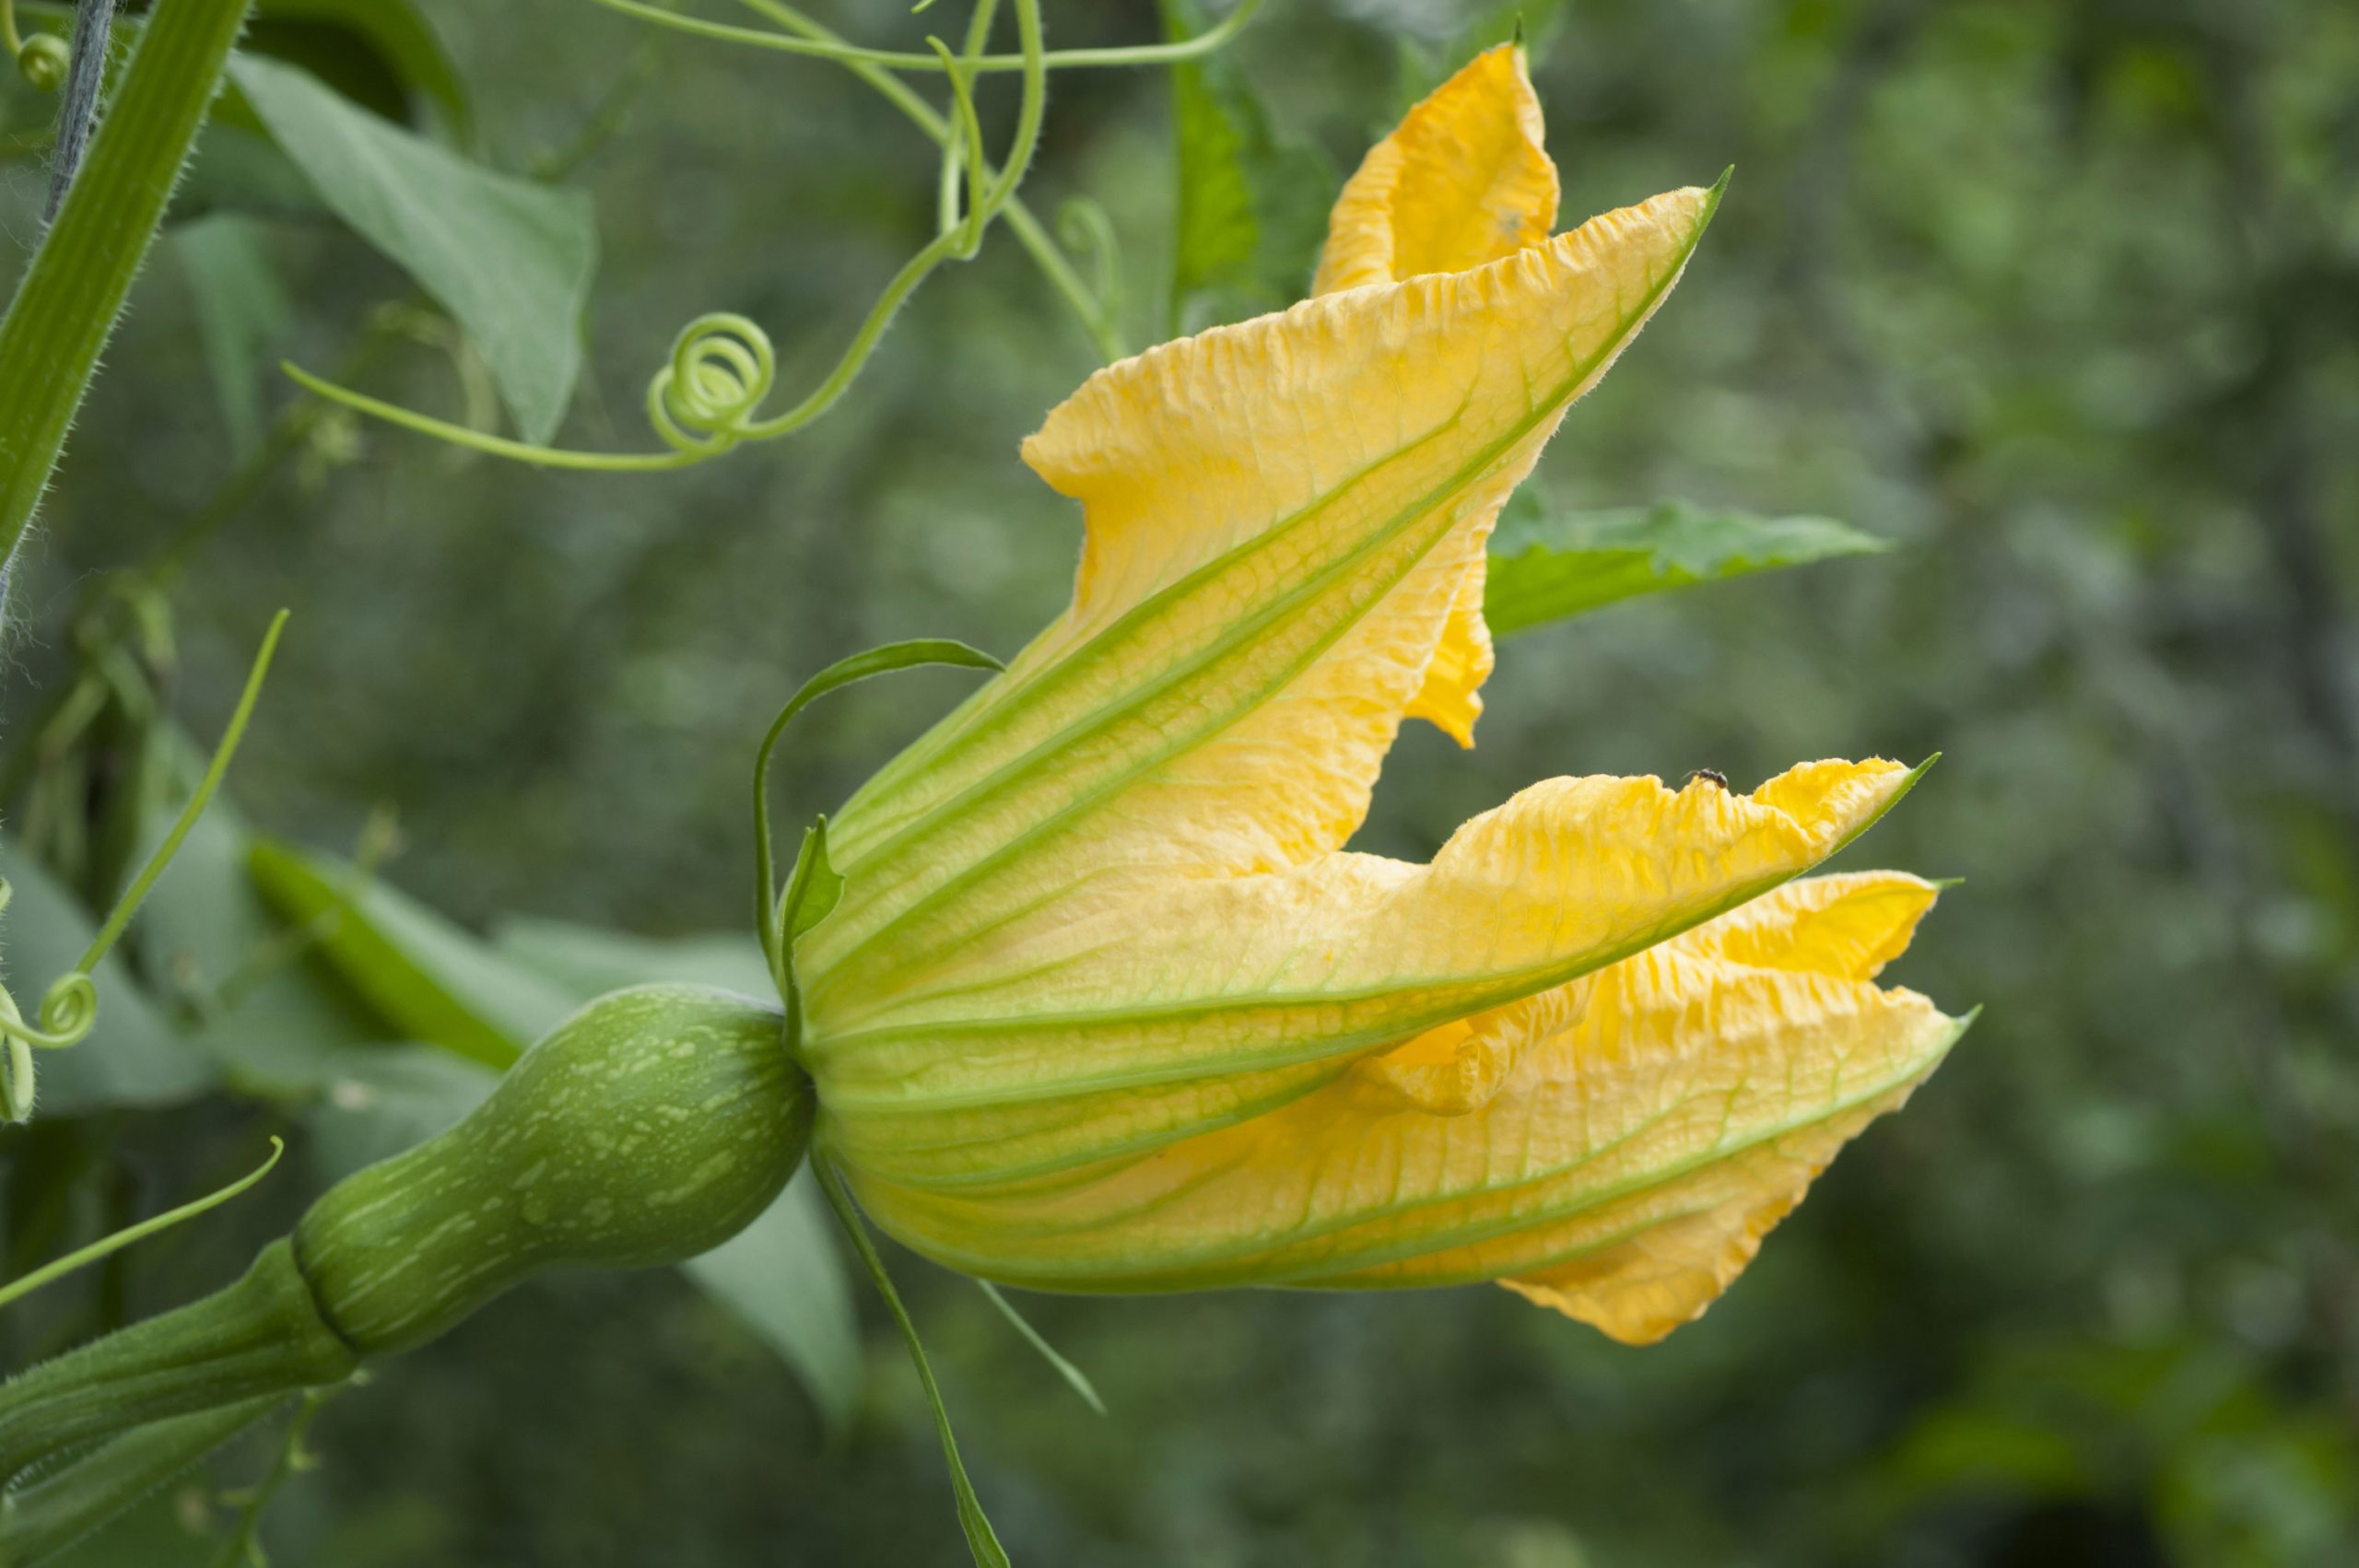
2058	297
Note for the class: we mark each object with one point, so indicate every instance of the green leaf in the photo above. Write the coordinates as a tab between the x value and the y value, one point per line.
427	977
1253	207
382	54
782	1278
134	1056
241	310
510	260
1545	567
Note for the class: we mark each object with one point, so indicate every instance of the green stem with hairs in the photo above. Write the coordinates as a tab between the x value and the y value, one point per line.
60	318
262	1337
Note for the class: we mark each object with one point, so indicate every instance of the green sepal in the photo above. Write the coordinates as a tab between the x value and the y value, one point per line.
843	672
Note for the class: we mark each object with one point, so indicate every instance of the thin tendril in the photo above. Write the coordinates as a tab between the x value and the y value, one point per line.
1095	319
1082	225
479	440
69	1009
981	1541
1178	51
105	1245
128	904
962	155
701	401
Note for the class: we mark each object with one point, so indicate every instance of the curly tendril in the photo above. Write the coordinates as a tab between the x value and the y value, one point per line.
704	400
42	60
69	1009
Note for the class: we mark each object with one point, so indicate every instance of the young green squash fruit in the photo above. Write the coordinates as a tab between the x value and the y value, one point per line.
650	1126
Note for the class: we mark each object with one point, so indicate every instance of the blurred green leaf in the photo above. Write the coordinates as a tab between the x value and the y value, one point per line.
587	961
1252	206
238	168
134	1056
1546	565
782	1276
428	978
206	939
156	1534
373	1102
510	260
382	54
1419	68
241	310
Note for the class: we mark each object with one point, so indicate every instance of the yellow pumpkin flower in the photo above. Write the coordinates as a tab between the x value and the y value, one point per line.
1105	1005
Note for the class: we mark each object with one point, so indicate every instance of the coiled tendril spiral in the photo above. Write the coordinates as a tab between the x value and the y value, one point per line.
43	61
705	397
68	1010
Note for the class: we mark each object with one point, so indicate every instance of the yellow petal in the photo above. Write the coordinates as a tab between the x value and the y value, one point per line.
1207	980
1462	661
1625	1173
1462	182
1280	515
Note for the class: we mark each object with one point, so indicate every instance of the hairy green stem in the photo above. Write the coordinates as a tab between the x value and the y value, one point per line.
60	318
261	1337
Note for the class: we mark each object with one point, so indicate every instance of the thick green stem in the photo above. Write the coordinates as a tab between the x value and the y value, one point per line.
52	336
262	1337
45	1518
